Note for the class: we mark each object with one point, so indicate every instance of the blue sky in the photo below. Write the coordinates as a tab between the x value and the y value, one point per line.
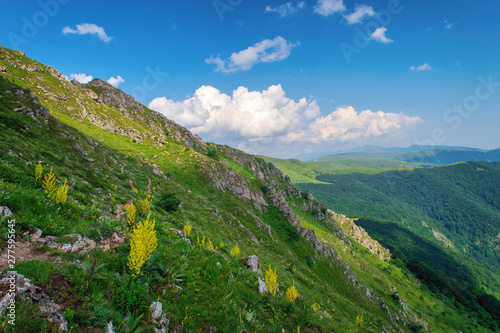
284	78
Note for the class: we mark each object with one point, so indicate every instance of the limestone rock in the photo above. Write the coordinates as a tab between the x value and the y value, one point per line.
33	294
36	235
4	210
253	262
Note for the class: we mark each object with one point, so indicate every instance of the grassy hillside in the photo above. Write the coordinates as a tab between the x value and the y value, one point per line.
112	158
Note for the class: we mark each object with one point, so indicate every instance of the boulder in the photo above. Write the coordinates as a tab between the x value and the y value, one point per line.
4	210
253	262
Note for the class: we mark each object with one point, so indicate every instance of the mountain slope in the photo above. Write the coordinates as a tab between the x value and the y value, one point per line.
112	152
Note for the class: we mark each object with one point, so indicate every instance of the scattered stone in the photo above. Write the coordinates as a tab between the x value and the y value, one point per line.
33	294
78	246
3	69
181	234
4	210
110	328
262	286
253	262
66	247
159	318
36	235
218	264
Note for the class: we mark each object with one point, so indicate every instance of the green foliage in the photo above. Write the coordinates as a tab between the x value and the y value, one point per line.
101	315
131	295
169	202
213	153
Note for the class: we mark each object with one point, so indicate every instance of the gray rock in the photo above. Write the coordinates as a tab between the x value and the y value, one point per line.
253	262
110	328
158	318
65	248
78	246
262	286
35	295
4	210
77	236
36	235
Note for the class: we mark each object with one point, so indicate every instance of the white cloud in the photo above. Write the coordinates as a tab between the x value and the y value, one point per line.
359	14
448	25
286	9
424	67
346	124
379	36
246	114
258	121
88	28
269	50
329	7
82	77
115	81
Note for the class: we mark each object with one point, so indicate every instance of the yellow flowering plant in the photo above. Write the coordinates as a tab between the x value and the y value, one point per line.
143	242
291	293
49	183
38	171
235	251
130	211
271	281
61	193
187	229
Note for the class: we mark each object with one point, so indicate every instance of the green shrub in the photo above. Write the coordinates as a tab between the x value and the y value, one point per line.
101	315
131	296
212	153
169	202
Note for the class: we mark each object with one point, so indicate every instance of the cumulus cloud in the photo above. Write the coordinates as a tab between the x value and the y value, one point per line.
88	28
245	115
268	50
329	7
286	9
359	14
115	81
379	36
346	124
82	77
424	67
257	121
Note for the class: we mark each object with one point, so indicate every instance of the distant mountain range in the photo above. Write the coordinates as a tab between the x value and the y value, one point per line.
421	154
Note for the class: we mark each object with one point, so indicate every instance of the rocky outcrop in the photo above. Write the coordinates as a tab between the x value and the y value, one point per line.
253	262
225	178
309	235
442	238
22	288
361	236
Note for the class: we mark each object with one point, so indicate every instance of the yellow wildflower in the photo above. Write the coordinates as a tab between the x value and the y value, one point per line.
48	182
130	210
187	229
271	280
142	244
235	251
291	293
38	171
61	193
144	206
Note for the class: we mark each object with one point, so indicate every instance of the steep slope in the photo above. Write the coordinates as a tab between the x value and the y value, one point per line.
113	152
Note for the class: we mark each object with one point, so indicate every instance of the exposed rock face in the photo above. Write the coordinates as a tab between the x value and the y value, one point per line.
33	294
309	235
442	238
104	93
32	106
361	236
225	178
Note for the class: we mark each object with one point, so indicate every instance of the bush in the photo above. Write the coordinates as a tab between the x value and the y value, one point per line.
212	153
131	296
101	315
169	202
